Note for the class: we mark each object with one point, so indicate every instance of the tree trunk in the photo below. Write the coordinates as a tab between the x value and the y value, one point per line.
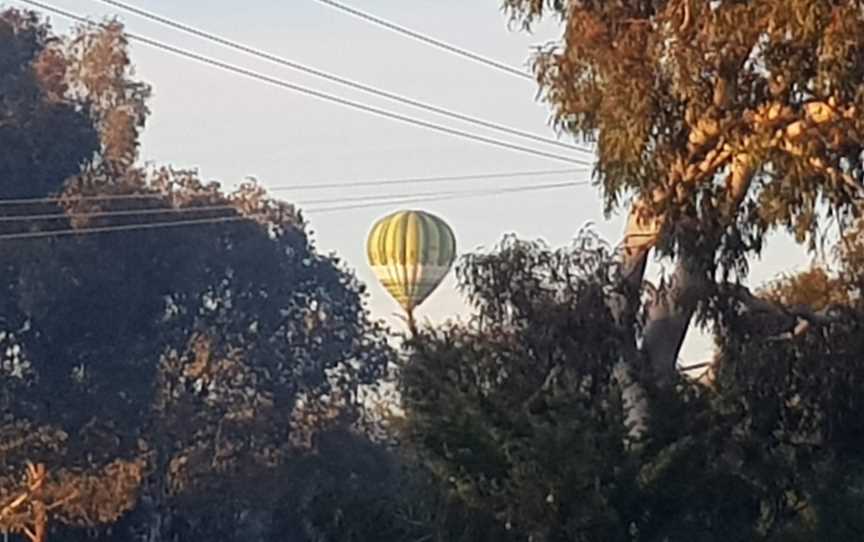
639	237
36	485
669	316
670	313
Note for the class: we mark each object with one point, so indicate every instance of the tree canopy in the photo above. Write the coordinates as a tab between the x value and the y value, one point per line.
150	366
742	114
521	416
717	121
163	381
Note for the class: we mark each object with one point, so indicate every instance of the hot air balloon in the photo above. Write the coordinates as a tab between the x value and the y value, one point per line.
411	252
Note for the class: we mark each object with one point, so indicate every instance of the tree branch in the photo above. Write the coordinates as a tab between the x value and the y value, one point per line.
793	321
56	504
15	503
547	383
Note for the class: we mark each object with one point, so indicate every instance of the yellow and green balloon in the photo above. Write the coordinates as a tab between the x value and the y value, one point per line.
411	252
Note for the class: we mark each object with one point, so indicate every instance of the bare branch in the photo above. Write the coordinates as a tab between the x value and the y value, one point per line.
10	508
71	496
794	321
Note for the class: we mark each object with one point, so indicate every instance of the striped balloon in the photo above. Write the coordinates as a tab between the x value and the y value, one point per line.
411	252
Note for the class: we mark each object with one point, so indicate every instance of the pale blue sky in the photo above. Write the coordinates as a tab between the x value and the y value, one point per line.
230	127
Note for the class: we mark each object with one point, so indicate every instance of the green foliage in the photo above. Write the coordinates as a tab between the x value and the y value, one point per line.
520	415
151	368
815	288
796	412
519	412
204	382
727	118
45	138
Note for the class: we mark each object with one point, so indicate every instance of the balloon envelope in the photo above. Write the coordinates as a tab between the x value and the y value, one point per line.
410	253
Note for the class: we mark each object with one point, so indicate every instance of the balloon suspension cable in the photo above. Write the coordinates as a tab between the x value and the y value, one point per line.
412	324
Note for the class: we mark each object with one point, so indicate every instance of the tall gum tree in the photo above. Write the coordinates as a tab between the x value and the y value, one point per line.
716	122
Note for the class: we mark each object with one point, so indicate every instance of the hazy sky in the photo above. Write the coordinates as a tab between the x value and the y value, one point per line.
230	127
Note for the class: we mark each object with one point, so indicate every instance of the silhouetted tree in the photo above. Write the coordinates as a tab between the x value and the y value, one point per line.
149	370
521	414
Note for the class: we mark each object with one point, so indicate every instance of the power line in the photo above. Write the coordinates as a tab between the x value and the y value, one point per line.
123	212
336	78
396	198
311	186
426	39
124	227
236	218
473	194
422	180
57	199
311	92
402	198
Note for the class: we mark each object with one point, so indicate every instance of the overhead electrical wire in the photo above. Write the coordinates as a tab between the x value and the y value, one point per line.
403	197
424	180
311	92
282	61
426	39
297	88
118	228
310	186
123	212
58	199
447	197
236	218
382	199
